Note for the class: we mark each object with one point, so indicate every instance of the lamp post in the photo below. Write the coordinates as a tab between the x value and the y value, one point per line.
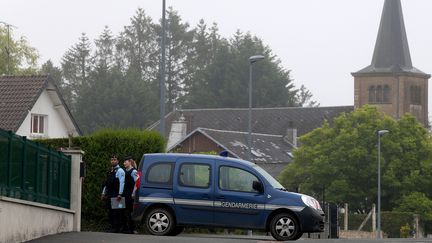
380	133
252	60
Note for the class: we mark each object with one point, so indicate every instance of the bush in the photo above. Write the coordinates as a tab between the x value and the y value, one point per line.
98	149
391	222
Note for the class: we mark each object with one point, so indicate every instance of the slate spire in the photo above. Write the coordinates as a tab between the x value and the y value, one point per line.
391	54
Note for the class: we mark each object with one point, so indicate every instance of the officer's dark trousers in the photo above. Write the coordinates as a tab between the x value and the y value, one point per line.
129	223
116	219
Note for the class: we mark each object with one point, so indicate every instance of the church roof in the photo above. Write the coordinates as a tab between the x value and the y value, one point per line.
391	54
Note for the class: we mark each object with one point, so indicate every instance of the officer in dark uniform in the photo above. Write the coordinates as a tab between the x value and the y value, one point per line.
113	190
131	176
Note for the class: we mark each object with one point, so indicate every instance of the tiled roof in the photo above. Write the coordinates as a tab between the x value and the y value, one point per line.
269	151
265	148
264	120
18	94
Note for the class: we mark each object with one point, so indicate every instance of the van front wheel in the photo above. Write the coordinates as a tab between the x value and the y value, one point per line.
159	221
284	227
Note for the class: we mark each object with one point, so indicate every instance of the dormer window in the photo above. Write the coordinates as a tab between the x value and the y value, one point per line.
38	125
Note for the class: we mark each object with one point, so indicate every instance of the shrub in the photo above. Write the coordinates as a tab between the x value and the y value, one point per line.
98	148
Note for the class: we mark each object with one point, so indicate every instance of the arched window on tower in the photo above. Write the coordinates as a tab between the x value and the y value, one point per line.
415	93
372	94
386	94
379	94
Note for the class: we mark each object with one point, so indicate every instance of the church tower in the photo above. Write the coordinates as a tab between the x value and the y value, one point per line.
391	82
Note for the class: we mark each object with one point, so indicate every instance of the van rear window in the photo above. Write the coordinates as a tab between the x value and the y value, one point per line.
160	173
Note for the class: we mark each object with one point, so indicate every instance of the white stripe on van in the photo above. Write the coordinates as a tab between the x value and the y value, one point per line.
193	202
292	208
219	204
157	199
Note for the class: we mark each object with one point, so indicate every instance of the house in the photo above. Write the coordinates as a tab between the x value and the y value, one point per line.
274	131
32	106
270	152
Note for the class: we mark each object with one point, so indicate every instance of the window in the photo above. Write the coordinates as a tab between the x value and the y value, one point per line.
235	179
386	94
379	94
195	175
160	173
38	124
372	94
415	93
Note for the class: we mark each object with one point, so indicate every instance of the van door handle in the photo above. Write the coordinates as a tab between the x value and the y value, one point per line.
205	196
221	197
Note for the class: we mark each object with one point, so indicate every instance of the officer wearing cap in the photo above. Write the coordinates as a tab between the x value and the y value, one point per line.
113	188
131	176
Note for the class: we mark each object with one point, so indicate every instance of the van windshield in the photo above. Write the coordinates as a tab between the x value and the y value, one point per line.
273	182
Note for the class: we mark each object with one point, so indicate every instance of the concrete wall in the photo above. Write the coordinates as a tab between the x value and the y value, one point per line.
22	220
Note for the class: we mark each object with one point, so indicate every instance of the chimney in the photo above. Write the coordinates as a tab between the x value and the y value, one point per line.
291	134
177	132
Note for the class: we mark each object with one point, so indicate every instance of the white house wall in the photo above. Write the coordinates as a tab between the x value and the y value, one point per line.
55	126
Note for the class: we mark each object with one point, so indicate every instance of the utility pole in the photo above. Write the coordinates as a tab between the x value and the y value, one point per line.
8	26
162	76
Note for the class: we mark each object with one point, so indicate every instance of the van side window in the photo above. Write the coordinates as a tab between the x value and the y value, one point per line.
160	173
194	175
235	179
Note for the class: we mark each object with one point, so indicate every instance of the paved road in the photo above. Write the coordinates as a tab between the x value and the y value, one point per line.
93	237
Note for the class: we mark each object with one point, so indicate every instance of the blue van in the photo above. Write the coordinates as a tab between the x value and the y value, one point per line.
177	190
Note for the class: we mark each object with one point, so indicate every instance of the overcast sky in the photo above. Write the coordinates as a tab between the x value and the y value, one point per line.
320	41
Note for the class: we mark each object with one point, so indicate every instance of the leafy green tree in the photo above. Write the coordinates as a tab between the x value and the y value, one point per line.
16	55
339	162
418	203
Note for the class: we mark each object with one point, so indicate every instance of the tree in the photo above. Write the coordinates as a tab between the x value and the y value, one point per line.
76	67
178	46
57	75
339	162
418	203
16	55
224	78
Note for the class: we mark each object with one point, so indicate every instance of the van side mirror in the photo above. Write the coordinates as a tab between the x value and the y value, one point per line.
257	186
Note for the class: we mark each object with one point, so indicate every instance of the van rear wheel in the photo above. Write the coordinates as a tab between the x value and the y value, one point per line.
284	227
159	221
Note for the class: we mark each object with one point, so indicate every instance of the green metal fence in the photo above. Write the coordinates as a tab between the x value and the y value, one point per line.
33	172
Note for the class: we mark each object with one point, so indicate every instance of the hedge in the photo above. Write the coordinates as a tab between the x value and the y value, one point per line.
391	222
98	149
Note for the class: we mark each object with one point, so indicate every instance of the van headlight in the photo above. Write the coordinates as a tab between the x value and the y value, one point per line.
311	202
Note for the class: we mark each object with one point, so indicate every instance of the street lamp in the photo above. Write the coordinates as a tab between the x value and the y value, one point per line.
252	60
380	133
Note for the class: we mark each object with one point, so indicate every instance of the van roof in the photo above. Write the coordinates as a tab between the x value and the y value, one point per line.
206	156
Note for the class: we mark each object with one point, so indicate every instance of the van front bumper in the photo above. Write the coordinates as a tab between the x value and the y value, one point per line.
312	220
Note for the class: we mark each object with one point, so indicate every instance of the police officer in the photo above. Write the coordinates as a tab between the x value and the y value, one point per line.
113	190
131	176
